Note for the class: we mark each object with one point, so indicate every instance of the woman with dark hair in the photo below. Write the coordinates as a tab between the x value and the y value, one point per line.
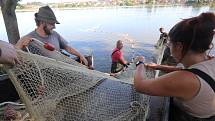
192	89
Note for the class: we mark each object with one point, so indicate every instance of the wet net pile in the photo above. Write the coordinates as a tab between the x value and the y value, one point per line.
56	91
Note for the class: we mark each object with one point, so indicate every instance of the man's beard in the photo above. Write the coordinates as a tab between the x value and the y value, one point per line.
46	30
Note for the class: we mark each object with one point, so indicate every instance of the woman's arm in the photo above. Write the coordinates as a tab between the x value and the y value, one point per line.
171	84
165	68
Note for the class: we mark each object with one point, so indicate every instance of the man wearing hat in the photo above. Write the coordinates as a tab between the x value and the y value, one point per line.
45	20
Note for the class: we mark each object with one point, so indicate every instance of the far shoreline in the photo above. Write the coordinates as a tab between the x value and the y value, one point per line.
106	7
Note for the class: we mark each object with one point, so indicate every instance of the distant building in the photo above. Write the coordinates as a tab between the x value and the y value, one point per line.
79	0
56	1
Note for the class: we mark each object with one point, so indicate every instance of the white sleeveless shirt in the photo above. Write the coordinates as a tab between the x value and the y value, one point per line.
203	104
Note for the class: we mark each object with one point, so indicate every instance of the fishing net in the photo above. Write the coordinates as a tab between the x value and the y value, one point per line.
37	47
56	91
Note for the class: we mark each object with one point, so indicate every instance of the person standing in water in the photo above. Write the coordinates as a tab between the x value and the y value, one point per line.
118	61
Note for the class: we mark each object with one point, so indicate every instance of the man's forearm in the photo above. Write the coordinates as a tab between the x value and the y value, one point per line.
123	61
73	51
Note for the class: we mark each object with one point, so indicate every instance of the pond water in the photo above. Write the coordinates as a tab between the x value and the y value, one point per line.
96	30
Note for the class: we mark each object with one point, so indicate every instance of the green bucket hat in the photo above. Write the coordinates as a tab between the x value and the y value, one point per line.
46	14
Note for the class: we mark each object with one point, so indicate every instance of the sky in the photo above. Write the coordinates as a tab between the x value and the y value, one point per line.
53	1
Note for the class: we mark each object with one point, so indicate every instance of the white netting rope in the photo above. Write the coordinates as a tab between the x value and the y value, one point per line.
37	47
74	93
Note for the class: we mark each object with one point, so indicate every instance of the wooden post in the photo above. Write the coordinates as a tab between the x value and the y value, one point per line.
8	8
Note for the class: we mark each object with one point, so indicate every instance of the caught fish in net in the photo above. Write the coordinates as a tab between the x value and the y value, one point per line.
53	90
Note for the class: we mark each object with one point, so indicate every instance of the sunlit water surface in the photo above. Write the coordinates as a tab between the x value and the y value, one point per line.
96	30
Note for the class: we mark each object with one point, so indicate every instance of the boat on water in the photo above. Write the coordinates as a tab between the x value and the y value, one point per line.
73	92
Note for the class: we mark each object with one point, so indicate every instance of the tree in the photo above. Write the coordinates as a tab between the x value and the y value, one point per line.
8	8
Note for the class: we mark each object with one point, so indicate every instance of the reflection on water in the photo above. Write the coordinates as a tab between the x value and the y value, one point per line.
97	29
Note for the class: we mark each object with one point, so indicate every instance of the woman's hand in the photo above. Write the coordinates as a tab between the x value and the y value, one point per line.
140	58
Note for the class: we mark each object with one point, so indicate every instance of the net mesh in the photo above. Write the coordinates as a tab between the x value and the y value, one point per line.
56	91
37	47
